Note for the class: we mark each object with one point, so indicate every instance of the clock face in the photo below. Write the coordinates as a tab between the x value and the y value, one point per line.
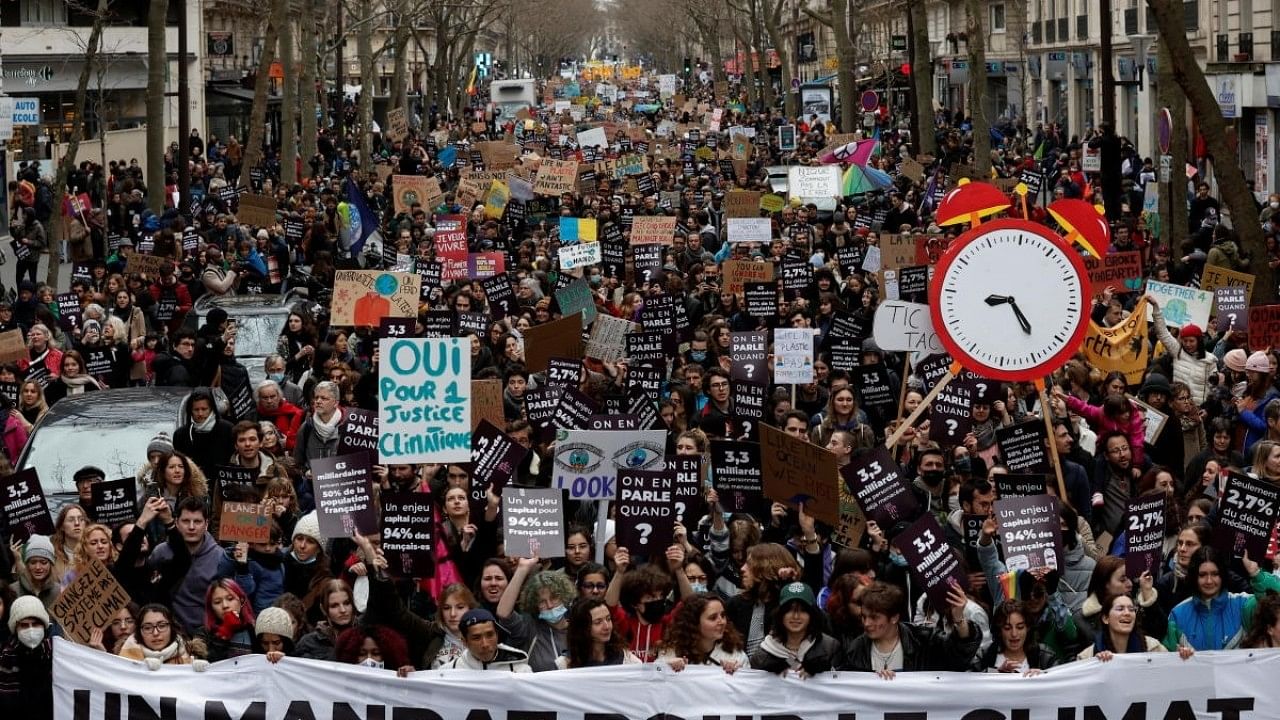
1008	300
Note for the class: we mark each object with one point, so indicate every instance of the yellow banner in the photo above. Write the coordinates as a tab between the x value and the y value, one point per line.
1124	347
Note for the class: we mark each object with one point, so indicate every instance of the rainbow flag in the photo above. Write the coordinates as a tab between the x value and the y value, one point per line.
1009	583
574	230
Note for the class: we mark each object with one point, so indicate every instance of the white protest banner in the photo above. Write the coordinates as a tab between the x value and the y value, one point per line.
595	137
587	461
424	400
1181	305
816	182
792	356
905	326
750	230
1227	684
579	255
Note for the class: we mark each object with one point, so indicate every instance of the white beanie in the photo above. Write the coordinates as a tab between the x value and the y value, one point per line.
309	526
27	606
276	621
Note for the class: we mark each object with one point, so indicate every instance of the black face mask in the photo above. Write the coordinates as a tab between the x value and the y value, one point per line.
654	610
932	477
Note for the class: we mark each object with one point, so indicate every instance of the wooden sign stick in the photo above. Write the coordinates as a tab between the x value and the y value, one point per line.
952	373
1046	413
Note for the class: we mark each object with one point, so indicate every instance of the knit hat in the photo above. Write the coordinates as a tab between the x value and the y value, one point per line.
796	591
38	546
160	444
1259	362
1191	331
309	526
1235	360
1156	383
27	606
276	621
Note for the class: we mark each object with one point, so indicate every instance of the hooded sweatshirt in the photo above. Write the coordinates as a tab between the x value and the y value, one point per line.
188	594
507	658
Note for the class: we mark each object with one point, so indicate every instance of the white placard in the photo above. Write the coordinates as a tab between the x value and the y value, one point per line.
750	230
575	256
424	400
595	137
793	356
905	326
1181	305
822	181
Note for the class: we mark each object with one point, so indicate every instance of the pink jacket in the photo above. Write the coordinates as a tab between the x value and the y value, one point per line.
1103	424
15	438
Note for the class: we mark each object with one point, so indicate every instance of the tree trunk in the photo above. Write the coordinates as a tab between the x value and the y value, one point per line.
757	44
399	74
157	69
922	78
1232	190
1173	194
746	69
258	110
289	100
364	48
68	161
307	29
974	28
846	73
772	25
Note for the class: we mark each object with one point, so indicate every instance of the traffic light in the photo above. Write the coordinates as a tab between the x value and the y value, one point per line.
688	66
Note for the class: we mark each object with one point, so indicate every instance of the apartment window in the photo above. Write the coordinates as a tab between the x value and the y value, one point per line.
997	17
44	12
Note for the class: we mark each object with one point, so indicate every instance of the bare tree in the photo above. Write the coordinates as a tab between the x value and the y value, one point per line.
845	26
922	78
157	67
289	101
977	43
308	25
1173	194
1232	187
258	110
68	161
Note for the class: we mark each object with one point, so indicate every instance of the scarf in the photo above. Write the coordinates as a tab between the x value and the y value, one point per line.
779	649
76	385
174	648
326	431
207	425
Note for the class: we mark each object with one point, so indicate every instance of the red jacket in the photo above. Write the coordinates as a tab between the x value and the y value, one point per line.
287	419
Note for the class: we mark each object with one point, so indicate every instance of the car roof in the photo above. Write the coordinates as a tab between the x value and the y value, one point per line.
246	304
118	405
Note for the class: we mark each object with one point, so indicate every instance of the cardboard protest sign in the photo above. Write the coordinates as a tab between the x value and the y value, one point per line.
408	191
363	297
495	457
114	502
587	461
1153	421
408	529
533	522
1246	515
647	229
933	562
741	230
1121	270
1264	327
1233	308
736	273
558	338
89	603
1030	532
255	209
816	182
12	348
1123	348
905	326
1144	524
149	265
1213	277
796	471
736	471
749	352
792	356
577	298
25	508
486	403
646	510
1181	305
498	154
742	204
344	495
1024	447
876	480
555	177
244	522
896	251
397	124
424	394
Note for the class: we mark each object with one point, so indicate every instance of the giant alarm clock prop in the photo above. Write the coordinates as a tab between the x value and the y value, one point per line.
1008	299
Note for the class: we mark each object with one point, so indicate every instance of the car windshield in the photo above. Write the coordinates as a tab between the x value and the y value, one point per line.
257	335
59	449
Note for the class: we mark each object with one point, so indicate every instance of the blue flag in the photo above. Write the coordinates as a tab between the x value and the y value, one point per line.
364	222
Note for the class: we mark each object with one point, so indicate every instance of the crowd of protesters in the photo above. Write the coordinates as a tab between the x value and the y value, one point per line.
771	590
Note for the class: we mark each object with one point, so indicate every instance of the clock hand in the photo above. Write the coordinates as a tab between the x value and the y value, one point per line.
994	300
1022	319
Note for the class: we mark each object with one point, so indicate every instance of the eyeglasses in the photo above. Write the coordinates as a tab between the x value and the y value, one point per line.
128	622
155	628
716	385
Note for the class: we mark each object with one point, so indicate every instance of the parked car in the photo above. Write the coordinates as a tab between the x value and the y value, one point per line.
259	319
109	429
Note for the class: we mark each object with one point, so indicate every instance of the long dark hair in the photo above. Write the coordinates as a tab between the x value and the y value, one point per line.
1001	616
779	628
683	637
1264	618
581	643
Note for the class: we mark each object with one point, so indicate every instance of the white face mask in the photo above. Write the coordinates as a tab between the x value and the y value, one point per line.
31	637
371	663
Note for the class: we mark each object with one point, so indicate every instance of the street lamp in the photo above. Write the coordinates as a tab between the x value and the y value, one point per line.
1141	47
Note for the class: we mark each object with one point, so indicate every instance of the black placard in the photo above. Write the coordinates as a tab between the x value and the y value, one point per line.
97	361
878	483
621	421
500	296
736	467
750	353
913	284
564	372
68	311
1030	532
114	502
1019	484
575	409
646	510
648	263
344	495
951	413
1246	516
473	322
495	457
1023	447
761	299
25	508
796	274
236	484
651	347
359	433
408	526
432	274
1144	524
846	354
645	379
392	328
533	522
933	562
437	323
850	258
876	394
690	502
540	406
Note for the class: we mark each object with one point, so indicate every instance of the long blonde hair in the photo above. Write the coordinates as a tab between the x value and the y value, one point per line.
84	554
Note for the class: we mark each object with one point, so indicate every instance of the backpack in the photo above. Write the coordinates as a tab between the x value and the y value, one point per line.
44	202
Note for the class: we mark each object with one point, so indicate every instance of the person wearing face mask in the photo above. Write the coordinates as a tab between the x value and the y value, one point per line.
26	662
639	601
274	367
930	485
544	597
373	646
